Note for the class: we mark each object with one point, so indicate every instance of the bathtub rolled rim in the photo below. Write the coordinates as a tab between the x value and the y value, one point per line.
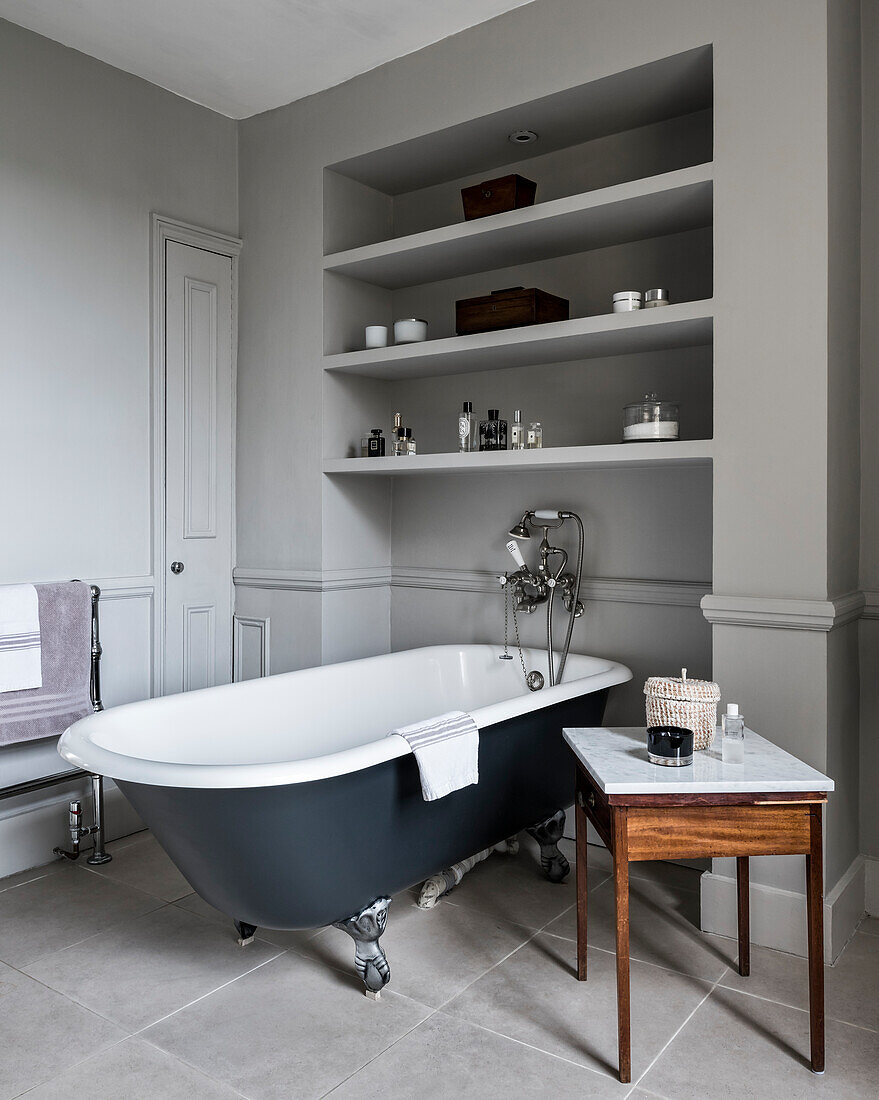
77	747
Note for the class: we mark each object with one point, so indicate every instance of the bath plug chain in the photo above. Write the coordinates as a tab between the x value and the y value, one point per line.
506	655
534	680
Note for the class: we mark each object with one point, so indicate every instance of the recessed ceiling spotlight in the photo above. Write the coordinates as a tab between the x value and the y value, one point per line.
522	137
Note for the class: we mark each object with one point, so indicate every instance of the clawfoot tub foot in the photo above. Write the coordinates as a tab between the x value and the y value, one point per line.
365	928
245	931
548	834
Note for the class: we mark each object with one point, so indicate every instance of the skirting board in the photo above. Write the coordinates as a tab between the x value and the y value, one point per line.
871	871
778	917
28	836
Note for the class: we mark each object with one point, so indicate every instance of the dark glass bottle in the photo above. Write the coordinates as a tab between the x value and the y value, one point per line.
375	444
493	432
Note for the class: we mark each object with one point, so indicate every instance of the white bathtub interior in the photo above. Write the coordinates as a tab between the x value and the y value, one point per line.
316	722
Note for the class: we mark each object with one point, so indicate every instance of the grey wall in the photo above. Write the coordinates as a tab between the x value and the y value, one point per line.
869	566
86	153
784	486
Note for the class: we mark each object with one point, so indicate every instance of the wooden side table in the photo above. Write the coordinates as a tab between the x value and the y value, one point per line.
770	805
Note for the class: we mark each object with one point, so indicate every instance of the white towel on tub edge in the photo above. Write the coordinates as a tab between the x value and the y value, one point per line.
446	750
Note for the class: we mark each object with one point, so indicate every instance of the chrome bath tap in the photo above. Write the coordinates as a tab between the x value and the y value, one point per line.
531	589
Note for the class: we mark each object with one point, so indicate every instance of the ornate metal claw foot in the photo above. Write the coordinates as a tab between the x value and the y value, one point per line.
365	928
548	834
245	931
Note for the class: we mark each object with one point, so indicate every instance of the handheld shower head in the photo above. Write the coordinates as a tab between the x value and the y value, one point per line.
520	531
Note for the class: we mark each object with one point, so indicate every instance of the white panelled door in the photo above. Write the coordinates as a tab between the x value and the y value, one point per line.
198	468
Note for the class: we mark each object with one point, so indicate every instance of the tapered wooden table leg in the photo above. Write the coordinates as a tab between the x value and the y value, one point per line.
815	916
580	817
744	898
621	897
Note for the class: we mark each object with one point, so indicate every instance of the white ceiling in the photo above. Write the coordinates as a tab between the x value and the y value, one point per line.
240	57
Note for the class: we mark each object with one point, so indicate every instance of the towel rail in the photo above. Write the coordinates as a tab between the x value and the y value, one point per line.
77	831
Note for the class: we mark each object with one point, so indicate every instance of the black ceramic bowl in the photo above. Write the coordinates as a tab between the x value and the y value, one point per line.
670	746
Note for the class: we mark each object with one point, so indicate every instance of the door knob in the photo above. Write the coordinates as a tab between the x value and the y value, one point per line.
177	567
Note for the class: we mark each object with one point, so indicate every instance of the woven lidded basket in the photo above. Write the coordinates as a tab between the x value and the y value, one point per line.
690	704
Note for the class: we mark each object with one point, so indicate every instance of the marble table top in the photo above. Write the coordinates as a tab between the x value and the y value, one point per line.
617	761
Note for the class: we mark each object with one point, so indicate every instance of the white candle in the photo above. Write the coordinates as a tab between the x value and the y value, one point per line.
376	336
411	330
652	429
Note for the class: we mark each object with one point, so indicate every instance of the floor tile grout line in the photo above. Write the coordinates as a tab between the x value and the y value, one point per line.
115	1023
796	1008
509	955
30	881
210	993
189	1065
368	1062
54	1077
112	1046
530	1046
99	932
646	962
677	1032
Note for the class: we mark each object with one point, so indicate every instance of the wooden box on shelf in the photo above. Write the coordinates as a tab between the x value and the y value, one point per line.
509	308
496	196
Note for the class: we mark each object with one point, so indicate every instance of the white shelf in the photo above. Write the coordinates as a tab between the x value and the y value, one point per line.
604	457
677	326
670	203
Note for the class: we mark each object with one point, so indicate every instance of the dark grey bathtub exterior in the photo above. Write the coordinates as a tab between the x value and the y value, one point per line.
306	855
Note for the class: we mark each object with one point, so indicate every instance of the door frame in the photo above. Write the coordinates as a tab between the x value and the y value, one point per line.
162	230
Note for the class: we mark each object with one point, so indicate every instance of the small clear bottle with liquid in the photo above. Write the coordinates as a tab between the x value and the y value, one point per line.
468	429
409	441
517	432
398	444
534	439
733	749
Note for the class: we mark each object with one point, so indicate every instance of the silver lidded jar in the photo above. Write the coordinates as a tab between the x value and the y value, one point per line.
650	420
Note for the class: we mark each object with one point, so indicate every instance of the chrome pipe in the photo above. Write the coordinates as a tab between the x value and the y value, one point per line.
578	575
99	855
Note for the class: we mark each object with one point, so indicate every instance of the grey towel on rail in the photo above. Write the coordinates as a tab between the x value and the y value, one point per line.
66	635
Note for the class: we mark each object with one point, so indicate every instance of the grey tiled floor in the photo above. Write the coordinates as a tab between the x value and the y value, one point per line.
119	982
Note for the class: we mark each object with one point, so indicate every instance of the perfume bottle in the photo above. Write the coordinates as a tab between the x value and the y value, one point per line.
517	432
375	444
535	436
409	441
493	432
468	429
733	745
399	443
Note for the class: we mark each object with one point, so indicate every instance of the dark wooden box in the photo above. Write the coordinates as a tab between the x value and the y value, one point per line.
496	196
508	309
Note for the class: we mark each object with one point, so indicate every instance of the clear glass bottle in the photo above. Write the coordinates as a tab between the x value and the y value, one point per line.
535	436
468	429
517	432
409	441
733	749
493	432
399	442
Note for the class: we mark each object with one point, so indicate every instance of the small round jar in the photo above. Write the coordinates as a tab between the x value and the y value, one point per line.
626	300
655	298
410	330
376	336
670	746
650	420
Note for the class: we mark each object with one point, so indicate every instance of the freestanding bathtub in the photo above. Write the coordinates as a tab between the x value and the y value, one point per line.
286	805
